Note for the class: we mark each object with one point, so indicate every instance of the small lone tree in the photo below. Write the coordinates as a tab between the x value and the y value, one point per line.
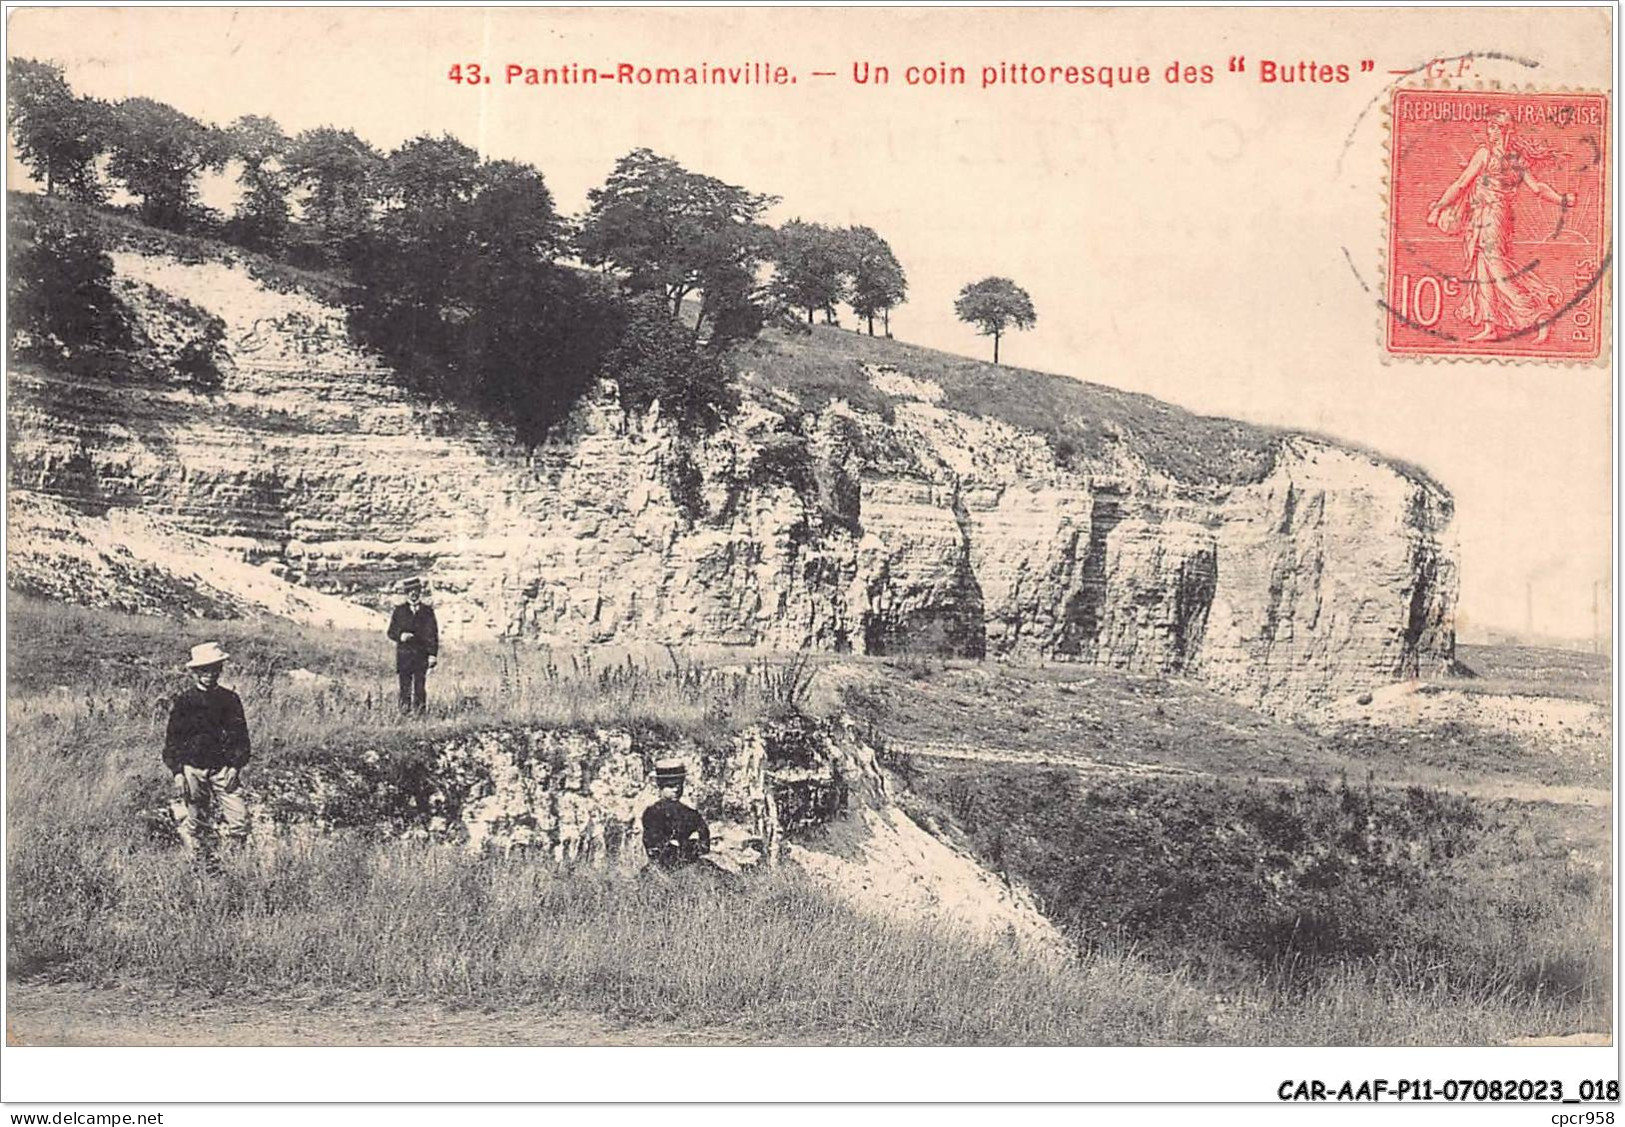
994	305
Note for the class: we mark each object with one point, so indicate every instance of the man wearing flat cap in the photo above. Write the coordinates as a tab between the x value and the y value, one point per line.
674	835
205	749
416	635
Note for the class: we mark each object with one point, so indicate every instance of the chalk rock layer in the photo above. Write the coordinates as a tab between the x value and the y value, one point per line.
1328	572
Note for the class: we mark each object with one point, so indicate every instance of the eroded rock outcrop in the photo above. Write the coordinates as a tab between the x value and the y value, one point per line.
577	795
797	790
1319	572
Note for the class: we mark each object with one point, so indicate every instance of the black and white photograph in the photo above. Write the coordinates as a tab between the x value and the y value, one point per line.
877	528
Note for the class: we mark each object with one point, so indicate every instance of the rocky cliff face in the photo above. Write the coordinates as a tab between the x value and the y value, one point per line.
838	528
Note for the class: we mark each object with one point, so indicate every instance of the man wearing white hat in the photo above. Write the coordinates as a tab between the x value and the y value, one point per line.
205	749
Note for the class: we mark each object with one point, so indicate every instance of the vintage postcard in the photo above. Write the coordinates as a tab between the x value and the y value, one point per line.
802	527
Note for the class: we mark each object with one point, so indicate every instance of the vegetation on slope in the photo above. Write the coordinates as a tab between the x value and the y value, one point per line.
1298	882
456	269
1133	807
96	899
1083	422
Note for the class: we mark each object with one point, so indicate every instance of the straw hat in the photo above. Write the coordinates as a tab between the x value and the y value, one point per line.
207	653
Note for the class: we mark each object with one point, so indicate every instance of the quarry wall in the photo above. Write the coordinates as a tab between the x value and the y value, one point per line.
833	529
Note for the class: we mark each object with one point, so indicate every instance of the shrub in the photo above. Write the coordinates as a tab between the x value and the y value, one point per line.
63	308
1239	878
656	359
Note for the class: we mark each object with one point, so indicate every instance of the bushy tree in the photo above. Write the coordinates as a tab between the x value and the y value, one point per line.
672	232
878	284
58	136
261	220
532	333
457	285
406	265
513	215
158	153
654	359
334	169
811	265
994	305
429	175
62	305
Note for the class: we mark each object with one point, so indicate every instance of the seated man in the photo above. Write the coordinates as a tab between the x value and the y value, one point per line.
674	835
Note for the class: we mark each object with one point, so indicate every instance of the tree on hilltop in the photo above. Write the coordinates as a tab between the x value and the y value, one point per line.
428	174
810	264
158	153
261	220
672	232
878	284
995	305
58	135
334	169
513	215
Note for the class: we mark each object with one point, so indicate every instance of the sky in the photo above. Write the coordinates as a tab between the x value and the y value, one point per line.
1218	245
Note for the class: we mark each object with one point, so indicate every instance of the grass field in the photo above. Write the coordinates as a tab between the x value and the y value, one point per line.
94	899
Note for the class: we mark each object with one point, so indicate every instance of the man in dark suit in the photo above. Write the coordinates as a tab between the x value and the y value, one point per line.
416	635
205	750
674	835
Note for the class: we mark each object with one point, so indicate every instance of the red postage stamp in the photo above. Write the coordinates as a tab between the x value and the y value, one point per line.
1498	225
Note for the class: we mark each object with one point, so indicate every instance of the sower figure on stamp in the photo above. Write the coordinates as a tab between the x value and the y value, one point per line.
205	749
674	834
416	635
1501	295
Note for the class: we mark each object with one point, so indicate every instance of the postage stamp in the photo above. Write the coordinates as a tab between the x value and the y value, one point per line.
1497	224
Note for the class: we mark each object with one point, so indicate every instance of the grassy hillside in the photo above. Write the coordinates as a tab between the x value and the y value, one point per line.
121	231
1302	884
1447	921
1399	854
1082	421
1101	718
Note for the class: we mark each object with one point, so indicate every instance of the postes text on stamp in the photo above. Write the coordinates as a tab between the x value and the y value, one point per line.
1497	224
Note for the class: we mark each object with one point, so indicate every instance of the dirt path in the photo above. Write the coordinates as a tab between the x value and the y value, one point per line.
1519	790
45	1014
70	1015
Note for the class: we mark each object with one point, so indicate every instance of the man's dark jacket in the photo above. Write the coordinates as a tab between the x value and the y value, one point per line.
206	729
413	655
674	834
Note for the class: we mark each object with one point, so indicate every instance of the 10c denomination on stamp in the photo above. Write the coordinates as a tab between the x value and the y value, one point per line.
1497	225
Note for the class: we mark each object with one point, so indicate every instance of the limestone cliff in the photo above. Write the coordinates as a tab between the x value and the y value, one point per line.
881	517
